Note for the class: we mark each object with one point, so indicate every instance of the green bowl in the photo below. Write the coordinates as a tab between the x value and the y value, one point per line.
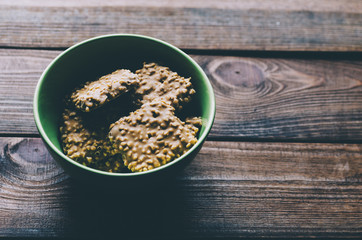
90	59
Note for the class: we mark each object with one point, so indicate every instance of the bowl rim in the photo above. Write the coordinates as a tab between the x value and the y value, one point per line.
199	142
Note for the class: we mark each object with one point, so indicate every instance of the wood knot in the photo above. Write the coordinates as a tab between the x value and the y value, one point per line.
27	161
239	74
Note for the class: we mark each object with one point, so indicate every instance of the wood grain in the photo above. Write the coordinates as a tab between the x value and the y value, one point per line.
256	98
301	99
231	189
267	169
354	6
17	88
192	26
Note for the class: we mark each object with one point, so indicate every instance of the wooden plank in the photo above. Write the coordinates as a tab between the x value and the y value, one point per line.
270	98
354	6
256	98
19	73
307	26
231	189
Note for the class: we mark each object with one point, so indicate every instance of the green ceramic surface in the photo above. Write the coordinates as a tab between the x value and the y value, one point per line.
90	59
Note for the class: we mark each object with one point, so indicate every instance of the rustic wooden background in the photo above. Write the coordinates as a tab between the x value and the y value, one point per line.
283	159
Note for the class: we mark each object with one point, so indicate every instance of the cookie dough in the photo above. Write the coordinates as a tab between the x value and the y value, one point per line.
158	82
145	134
152	136
88	147
105	89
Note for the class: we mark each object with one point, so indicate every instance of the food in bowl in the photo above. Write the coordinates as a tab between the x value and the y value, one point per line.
147	137
105	89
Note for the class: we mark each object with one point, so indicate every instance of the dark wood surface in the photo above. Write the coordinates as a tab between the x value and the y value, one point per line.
230	24
233	189
283	159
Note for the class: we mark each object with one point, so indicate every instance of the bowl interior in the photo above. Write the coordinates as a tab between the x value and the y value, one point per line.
89	60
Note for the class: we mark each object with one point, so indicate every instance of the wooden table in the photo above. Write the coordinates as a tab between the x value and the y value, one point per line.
283	159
